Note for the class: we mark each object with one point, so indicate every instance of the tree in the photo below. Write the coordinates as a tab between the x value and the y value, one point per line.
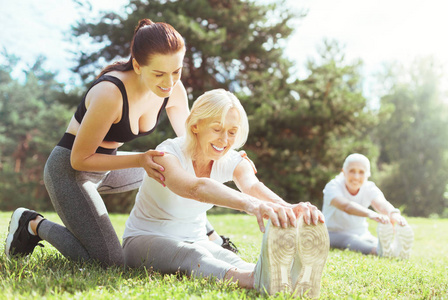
31	123
414	139
314	124
227	43
225	40
300	130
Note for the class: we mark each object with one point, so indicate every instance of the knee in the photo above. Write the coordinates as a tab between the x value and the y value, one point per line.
109	258
192	253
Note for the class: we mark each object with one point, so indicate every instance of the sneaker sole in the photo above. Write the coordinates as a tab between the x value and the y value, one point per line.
405	236
282	246
313	249
13	226
386	237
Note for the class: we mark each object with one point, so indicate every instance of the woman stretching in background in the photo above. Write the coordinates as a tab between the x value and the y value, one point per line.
346	206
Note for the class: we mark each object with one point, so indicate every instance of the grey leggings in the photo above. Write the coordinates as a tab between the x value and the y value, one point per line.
88	232
168	256
362	243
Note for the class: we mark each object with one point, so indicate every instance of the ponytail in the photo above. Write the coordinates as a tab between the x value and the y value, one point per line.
149	38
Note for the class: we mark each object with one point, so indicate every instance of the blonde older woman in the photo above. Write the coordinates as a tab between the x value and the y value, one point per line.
347	199
165	230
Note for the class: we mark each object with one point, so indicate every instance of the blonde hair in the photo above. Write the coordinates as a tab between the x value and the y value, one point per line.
215	103
356	157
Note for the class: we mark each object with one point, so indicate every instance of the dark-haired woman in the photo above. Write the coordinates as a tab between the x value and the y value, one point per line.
122	104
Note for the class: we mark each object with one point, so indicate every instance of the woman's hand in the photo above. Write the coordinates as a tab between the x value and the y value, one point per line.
152	168
278	214
310	213
397	218
378	217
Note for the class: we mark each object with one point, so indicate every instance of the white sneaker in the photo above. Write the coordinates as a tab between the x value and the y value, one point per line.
273	269
314	245
386	240
405	238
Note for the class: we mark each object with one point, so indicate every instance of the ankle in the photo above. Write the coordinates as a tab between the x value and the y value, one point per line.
35	223
244	279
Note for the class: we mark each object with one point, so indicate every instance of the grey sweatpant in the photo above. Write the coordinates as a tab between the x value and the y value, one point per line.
365	243
88	232
168	256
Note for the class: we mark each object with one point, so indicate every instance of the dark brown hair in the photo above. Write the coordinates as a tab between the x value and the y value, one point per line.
149	38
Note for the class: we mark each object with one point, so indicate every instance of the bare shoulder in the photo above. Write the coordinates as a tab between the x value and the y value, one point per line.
105	93
244	169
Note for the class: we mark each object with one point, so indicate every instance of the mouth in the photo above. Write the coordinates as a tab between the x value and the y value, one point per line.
219	149
165	89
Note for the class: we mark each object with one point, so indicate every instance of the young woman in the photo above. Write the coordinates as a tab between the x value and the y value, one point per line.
346	206
123	103
165	230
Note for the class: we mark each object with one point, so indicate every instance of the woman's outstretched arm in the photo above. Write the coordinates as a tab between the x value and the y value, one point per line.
210	191
247	182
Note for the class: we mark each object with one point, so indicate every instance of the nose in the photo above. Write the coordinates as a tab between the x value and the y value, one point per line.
223	136
168	82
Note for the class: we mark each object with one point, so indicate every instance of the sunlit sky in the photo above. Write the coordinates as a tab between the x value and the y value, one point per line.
374	31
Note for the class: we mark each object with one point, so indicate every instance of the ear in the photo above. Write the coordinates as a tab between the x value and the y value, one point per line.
194	128
136	66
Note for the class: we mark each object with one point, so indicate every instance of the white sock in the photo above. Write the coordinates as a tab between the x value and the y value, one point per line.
29	229
218	241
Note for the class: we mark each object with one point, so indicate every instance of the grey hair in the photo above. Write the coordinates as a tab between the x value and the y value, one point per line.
356	157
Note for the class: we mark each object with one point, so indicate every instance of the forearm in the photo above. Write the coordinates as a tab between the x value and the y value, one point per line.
209	191
355	209
386	208
262	192
102	162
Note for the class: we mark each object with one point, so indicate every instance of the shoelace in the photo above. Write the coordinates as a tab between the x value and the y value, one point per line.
227	244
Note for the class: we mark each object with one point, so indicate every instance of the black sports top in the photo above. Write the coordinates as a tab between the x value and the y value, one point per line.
120	132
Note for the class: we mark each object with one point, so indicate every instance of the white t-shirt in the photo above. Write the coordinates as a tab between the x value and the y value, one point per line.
159	211
338	220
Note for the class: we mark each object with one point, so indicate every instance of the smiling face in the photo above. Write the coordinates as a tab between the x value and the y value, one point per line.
355	176
214	138
162	73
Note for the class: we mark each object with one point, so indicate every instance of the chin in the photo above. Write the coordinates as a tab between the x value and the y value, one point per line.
219	156
163	95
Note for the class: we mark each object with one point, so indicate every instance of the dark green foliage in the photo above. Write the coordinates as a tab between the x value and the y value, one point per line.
225	40
301	132
31	123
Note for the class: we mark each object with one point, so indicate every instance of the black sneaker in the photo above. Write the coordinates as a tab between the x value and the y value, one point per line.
227	244
19	241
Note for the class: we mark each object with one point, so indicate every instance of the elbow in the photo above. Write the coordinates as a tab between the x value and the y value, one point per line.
76	163
347	208
197	190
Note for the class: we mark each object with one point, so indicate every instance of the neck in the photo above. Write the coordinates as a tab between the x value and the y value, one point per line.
351	191
202	168
136	86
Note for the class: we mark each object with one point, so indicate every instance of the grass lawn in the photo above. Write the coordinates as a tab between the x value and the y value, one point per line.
347	275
